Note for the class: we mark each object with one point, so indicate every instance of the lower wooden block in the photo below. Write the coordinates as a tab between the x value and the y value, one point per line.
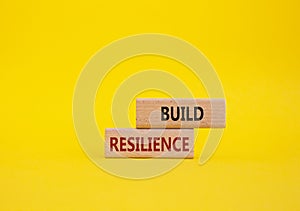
149	143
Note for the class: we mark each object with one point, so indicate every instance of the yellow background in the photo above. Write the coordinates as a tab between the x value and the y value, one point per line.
254	47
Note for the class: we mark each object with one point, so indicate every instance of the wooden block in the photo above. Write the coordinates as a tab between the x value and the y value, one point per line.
180	113
149	143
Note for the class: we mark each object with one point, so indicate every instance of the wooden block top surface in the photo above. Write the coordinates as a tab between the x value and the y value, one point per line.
149	143
180	113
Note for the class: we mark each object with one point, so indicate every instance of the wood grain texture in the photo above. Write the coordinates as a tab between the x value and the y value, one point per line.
148	113
157	143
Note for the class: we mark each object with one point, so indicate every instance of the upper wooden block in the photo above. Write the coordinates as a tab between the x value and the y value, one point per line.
180	113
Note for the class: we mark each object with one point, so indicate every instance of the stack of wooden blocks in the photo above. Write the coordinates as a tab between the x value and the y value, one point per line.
164	128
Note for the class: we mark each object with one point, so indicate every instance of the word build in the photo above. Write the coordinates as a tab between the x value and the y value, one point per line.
164	143
180	113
